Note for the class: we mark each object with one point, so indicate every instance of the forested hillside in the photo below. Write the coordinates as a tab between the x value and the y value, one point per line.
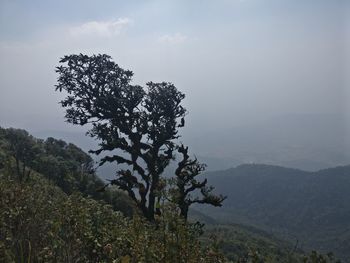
60	215
312	208
64	164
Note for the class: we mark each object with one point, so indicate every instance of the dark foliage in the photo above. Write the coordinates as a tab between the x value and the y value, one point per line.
64	164
187	183
142	123
23	148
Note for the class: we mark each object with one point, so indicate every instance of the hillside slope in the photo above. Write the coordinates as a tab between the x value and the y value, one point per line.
59	216
311	207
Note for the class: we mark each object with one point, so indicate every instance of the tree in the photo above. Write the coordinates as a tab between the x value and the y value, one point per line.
23	148
187	183
141	123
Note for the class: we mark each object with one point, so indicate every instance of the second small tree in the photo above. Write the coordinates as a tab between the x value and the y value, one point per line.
188	189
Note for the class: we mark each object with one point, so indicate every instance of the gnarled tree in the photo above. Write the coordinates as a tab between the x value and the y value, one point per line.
140	123
189	190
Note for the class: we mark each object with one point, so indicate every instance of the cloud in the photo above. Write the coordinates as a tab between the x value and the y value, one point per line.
173	39
101	28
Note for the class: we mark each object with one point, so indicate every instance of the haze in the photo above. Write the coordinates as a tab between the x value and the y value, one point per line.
265	81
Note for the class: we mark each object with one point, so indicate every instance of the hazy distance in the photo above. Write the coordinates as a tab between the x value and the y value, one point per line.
265	81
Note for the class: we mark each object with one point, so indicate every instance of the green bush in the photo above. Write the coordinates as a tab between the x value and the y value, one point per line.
40	223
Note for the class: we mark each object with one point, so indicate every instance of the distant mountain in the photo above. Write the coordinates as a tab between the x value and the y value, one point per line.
304	141
311	207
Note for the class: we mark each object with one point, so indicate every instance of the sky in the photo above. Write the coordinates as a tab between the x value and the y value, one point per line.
239	62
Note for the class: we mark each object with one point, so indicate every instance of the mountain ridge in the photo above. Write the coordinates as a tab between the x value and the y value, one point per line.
312	206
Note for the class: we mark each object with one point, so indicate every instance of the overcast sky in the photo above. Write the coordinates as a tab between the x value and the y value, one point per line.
238	61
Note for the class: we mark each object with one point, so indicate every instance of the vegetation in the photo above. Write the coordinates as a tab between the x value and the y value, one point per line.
47	219
39	222
64	164
239	242
23	148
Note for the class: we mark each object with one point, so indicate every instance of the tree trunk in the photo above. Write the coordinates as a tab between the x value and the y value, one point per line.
18	170
151	202
184	211
152	197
